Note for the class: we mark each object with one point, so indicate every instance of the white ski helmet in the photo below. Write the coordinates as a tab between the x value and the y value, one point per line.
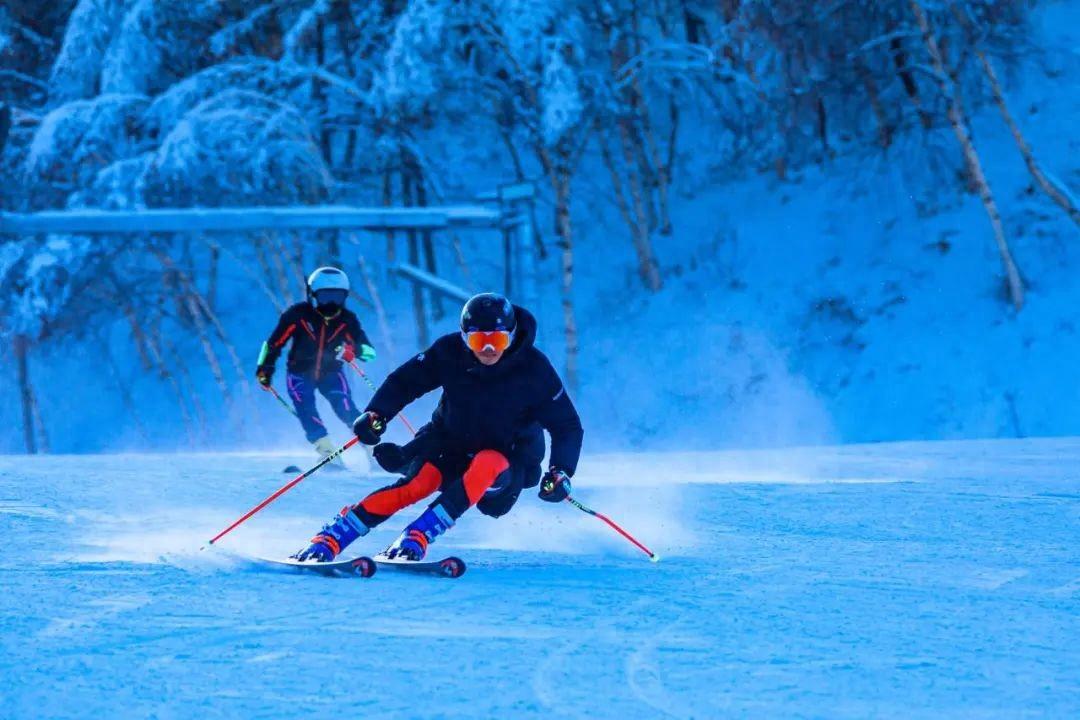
328	286
328	278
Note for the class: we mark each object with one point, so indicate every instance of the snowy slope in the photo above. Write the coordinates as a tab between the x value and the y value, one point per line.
907	580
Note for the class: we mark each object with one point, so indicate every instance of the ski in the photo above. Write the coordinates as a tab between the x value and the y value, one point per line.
361	566
450	567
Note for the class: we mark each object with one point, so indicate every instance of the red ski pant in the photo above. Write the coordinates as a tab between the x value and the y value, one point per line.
460	493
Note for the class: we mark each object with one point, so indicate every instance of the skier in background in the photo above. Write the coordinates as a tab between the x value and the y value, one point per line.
324	334
496	386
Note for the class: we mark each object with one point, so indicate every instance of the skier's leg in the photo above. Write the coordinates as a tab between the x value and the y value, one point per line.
335	388
458	495
384	502
302	392
502	496
486	468
355	521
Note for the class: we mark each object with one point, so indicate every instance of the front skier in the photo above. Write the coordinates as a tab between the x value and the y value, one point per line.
496	384
323	333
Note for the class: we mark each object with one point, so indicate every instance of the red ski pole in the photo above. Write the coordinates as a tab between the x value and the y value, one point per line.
284	489
354	366
652	556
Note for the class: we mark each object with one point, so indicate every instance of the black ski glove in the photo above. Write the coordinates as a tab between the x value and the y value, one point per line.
555	486
265	375
390	457
369	427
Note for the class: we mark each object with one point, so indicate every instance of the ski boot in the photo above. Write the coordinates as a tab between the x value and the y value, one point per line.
414	539
325	448
334	537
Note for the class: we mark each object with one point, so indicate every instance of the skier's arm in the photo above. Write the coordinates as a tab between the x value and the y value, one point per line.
272	346
362	346
557	414
414	378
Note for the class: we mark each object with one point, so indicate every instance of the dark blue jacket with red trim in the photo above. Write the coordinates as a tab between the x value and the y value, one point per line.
488	407
315	339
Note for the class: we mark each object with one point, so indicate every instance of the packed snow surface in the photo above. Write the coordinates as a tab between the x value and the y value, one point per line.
902	580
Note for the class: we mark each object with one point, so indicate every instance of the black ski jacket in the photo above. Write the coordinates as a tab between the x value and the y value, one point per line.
315	339
488	407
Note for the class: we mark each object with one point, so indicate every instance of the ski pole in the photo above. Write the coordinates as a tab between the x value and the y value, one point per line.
285	488
272	391
652	556
354	366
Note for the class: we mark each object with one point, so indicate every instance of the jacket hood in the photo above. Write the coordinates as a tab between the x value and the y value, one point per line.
525	332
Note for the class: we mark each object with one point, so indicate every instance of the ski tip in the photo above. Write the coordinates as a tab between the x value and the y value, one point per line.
452	567
364	566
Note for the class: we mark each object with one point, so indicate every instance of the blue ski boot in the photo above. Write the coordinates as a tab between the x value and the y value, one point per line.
414	539
334	537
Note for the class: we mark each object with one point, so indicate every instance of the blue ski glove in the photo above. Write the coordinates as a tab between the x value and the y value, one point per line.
555	486
367	353
369	427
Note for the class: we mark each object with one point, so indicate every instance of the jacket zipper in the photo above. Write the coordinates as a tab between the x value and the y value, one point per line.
318	353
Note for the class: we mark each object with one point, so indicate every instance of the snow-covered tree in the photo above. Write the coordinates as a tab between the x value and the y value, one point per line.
76	74
76	141
237	148
157	43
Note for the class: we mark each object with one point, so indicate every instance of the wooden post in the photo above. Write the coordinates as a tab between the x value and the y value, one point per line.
26	392
5	124
212	284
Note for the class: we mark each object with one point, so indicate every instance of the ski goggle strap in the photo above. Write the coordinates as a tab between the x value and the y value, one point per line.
477	340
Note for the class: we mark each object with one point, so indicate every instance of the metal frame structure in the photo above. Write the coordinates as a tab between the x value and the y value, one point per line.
508	211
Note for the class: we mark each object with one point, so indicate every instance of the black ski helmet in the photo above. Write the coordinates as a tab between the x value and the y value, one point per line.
488	312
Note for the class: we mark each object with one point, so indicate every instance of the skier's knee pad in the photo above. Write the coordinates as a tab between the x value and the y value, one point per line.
485	467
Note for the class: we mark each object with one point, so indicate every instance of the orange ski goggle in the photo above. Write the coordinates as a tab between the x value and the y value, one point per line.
497	339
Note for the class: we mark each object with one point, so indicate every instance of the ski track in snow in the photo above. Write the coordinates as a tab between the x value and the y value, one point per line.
902	580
